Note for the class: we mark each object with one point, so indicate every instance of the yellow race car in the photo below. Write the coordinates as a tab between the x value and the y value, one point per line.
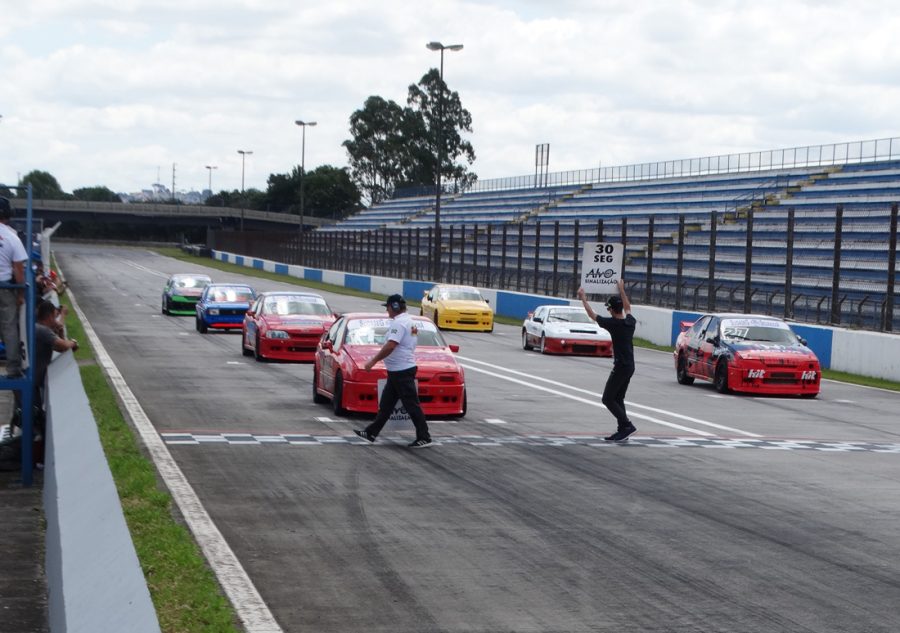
458	308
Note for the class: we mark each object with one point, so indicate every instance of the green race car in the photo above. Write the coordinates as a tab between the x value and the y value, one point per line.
182	292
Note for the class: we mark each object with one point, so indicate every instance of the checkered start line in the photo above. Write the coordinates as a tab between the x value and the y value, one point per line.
245	439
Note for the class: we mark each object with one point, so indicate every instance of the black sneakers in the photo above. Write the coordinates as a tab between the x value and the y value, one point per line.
365	435
622	434
422	443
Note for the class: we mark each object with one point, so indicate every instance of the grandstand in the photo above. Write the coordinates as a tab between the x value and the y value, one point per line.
818	221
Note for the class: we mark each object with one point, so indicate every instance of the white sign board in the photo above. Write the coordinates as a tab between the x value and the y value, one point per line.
399	414
601	267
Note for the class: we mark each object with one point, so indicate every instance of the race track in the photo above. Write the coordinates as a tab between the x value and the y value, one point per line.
724	513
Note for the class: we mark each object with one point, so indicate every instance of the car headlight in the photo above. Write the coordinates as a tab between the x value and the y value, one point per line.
277	334
214	311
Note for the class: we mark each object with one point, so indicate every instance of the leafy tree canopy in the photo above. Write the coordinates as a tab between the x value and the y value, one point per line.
44	186
96	194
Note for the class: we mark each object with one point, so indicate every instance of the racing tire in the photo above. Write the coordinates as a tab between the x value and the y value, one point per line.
542	345
244	350
337	400
525	344
201	326
681	372
809	396
435	319
165	308
256	353
465	406
720	380
317	397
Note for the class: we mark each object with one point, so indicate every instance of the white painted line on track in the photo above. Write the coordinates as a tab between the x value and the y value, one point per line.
145	269
597	395
495	421
593	403
248	604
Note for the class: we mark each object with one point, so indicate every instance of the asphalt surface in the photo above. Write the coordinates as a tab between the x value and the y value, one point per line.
724	513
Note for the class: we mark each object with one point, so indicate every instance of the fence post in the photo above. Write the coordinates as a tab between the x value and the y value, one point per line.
600	230
448	274
462	254
519	266
711	289
649	280
555	258
836	276
487	260
679	262
748	263
624	245
789	268
575	258
892	264
503	258
537	253
475	255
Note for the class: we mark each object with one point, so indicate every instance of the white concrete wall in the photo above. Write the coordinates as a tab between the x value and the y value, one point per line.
866	353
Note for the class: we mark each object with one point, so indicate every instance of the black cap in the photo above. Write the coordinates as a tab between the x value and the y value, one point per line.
5	208
614	303
395	302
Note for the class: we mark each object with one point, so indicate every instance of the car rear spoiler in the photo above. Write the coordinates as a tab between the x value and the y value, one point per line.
685	325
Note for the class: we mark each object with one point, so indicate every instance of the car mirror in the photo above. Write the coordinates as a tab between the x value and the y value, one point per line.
454	348
250	313
802	340
712	339
486	301
327	345
538	320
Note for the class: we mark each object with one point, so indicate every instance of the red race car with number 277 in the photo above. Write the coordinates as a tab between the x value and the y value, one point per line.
749	353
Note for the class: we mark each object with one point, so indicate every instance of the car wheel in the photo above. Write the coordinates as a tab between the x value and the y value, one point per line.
164	308
244	350
542	345
257	352
201	326
434	318
317	397
721	378
525	344
681	372
337	400
465	406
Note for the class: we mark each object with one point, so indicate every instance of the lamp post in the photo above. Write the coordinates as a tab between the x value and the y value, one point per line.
244	153
210	168
437	46
303	125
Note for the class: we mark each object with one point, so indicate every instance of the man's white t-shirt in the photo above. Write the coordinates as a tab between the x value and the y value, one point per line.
11	250
403	331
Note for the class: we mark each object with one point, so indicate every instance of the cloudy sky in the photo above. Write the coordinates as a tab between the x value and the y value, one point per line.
114	92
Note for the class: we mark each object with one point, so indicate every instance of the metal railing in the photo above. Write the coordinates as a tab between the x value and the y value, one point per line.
684	261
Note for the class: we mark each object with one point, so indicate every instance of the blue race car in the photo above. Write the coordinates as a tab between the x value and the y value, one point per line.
222	306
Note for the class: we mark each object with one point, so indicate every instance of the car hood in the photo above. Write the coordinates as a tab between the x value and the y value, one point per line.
753	350
427	358
563	329
460	304
187	292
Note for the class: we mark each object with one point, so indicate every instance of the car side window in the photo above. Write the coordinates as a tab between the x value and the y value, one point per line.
258	306
540	314
339	334
712	329
699	328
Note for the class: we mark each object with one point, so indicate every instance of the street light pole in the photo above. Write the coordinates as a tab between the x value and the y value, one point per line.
436	264
303	125
244	153
210	168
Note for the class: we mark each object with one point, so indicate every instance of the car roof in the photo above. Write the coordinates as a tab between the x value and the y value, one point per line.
190	275
290	293
229	285
377	315
740	315
456	286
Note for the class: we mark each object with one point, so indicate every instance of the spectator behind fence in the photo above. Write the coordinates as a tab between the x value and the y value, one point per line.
12	270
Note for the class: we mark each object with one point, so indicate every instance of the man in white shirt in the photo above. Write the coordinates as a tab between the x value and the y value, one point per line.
399	356
12	270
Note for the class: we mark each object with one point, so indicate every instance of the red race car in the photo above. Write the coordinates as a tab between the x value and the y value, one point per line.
744	352
354	338
285	326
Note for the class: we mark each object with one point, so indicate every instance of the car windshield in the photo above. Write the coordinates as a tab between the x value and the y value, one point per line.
192	282
284	305
461	294
571	316
759	330
374	332
232	294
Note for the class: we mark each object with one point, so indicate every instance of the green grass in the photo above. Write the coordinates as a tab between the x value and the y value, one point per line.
184	590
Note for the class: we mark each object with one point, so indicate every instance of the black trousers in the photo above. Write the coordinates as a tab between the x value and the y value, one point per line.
614	393
401	385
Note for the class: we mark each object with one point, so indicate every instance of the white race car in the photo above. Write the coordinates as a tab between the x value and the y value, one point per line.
562	329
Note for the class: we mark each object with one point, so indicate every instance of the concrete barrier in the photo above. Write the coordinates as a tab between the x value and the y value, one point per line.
872	354
94	578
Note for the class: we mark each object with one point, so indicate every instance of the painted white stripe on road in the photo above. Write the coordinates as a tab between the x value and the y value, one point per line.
627	402
248	604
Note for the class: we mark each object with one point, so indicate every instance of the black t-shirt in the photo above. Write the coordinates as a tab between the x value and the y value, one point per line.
44	338
622	332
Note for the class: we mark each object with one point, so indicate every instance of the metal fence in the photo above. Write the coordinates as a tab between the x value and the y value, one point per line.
827	266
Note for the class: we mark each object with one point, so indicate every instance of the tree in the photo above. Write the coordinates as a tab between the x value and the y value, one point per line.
331	193
44	186
96	194
375	150
452	119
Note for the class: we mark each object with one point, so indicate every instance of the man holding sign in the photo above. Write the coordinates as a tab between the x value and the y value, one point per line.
399	356
621	327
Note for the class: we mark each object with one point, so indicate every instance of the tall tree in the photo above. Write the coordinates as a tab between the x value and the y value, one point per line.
331	193
449	117
44	186
375	150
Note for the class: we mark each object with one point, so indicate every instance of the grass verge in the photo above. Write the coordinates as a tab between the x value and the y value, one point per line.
176	253
184	590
